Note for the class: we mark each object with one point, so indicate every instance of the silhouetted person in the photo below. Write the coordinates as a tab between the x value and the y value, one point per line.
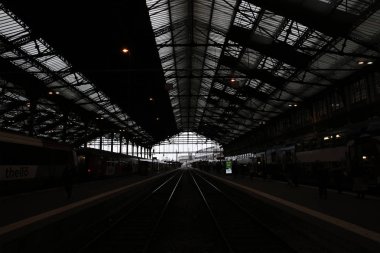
338	176
294	174
360	180
68	175
322	177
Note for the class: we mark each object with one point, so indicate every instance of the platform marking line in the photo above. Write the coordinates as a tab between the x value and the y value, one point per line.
322	216
28	221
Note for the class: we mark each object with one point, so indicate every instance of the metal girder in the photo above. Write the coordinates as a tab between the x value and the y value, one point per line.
262	75
222	94
267	46
315	14
87	138
18	118
51	126
10	106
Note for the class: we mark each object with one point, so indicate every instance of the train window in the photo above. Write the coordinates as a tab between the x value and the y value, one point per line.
377	83
359	91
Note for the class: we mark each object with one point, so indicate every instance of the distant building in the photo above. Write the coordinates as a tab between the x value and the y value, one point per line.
184	158
210	153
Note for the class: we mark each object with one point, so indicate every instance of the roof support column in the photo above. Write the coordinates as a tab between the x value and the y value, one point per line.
101	143
64	130
32	112
120	143
133	148
113	136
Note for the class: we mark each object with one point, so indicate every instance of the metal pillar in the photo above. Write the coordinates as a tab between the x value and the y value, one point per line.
120	143
112	136
32	111
133	148
64	130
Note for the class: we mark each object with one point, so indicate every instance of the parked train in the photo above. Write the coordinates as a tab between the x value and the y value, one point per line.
29	163
342	157
94	163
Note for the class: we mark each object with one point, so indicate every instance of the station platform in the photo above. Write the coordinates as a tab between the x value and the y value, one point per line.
19	207
343	211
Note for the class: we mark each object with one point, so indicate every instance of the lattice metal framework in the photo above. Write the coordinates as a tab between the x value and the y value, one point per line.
233	65
35	56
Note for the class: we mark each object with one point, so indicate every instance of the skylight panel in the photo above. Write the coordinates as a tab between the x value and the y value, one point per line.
285	70
292	32
233	49
218	86
216	37
9	27
247	15
230	90
254	83
268	63
266	88
270	24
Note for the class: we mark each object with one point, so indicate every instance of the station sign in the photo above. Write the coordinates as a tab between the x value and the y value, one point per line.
16	172
228	167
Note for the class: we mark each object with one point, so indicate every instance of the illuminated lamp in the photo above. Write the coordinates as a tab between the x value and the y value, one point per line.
125	50
360	62
370	62
364	157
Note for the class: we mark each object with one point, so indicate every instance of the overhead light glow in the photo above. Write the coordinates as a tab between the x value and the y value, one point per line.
326	138
337	136
150	99
125	50
364	157
370	62
360	62
50	93
57	92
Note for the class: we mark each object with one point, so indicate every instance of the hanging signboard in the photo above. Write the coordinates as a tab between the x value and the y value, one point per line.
228	167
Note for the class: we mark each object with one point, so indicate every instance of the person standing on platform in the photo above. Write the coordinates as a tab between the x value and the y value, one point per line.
359	181
68	175
322	177
338	170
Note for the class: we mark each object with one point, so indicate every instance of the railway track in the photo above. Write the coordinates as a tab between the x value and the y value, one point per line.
240	230
133	230
206	222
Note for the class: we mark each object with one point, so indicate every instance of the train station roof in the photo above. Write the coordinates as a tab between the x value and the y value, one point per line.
74	70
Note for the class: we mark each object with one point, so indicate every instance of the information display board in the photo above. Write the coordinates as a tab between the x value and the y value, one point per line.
228	167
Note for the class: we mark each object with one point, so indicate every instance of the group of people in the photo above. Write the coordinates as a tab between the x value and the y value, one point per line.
325	174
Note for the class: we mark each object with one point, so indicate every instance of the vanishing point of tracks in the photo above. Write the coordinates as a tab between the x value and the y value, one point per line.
187	213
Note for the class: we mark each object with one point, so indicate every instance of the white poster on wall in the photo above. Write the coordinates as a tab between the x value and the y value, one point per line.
16	172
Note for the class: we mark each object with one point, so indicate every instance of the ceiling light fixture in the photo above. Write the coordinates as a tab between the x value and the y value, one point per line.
370	62
125	50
